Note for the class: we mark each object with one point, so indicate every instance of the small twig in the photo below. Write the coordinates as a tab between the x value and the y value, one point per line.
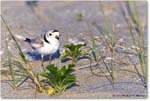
26	78
87	66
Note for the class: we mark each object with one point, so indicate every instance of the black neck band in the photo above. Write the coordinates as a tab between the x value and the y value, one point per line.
46	39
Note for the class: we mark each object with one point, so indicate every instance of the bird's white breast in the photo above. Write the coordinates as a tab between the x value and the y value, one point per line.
49	48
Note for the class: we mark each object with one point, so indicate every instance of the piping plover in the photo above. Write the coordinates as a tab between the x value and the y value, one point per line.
45	44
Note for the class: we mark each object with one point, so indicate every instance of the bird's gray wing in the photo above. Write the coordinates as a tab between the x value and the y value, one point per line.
37	43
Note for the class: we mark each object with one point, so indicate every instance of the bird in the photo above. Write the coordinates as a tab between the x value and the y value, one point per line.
45	44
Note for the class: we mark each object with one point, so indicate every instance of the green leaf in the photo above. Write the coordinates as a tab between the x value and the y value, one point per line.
80	45
12	72
68	84
85	53
64	54
70	69
52	69
44	74
62	71
141	58
69	80
70	47
49	78
96	57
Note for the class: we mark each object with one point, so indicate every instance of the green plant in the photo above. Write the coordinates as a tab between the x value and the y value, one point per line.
110	44
60	79
137	33
110	41
74	52
80	16
12	73
97	57
27	68
96	54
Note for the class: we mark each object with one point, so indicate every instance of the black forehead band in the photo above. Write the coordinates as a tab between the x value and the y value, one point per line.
55	31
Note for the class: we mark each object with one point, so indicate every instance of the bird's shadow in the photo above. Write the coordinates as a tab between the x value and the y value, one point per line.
37	56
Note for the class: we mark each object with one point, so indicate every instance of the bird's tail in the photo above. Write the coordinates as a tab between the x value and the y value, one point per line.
19	37
27	40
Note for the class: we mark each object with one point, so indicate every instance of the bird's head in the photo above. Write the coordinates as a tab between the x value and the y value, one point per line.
52	34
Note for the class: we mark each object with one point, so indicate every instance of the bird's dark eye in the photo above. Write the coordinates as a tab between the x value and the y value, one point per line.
50	34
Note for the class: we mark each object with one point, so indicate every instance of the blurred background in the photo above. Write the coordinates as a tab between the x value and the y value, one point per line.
30	18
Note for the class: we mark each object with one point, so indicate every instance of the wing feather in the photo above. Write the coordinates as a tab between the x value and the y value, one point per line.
37	43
